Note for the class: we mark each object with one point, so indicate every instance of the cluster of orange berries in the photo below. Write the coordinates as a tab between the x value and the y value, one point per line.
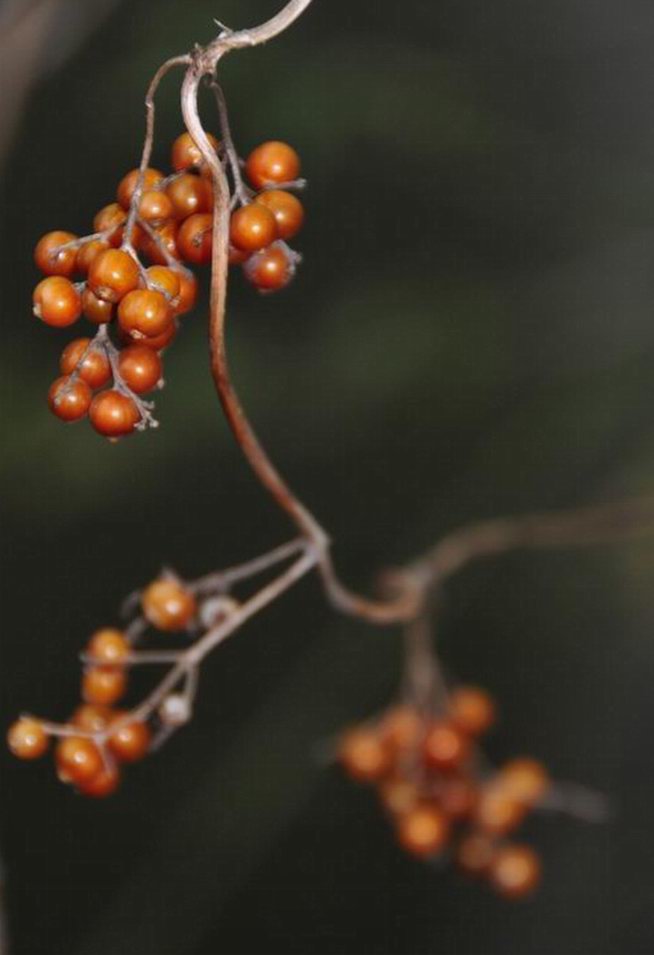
427	773
98	738
172	225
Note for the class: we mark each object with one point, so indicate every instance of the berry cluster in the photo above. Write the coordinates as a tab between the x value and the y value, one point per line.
169	221
98	738
430	783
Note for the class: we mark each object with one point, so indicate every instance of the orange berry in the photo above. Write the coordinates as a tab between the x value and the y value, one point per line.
88	252
140	367
108	646
497	812
103	685
167	236
94	367
189	194
168	605
363	754
194	239
127	185
27	739
130	742
68	400
188	292
97	310
78	759
57	302
113	415
272	163
155	207
445	748
474	854
515	871
271	269
471	709
165	280
457	797
398	795
111	217
113	274
252	227
104	783
186	155
91	718
287	210
423	830
144	313
402	727
526	779
51	258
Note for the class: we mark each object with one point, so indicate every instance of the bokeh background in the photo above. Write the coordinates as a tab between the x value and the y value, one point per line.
470	334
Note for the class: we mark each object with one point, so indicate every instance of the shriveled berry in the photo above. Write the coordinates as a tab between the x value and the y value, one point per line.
69	400
168	605
92	365
27	739
57	302
51	258
113	414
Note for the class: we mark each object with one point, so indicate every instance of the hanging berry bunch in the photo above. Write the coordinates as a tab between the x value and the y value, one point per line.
438	793
168	222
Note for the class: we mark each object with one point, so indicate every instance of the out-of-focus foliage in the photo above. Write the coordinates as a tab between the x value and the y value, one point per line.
471	333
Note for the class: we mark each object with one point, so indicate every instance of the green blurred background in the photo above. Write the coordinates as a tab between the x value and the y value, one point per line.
470	334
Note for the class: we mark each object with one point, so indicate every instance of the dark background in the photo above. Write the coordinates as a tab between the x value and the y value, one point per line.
470	334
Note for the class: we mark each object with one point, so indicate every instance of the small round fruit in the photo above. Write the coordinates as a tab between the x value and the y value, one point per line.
175	710
194	239
57	302
94	367
168	605
445	748
108	646
49	256
252	227
272	163
166	238
113	414
113	274
69	400
497	812
189	194
157	343
471	709
92	718
27	739
155	207
423	831
287	210
103	685
78	759
127	185
526	779
402	726
188	292
271	269
88	252
398	795
186	155
363	754
111	219
474	854
237	256
144	313
97	310
515	871
103	784
457	797
140	367
130	742
165	280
